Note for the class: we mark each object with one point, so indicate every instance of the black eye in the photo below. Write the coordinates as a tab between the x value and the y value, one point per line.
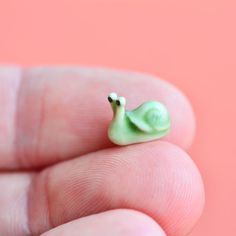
117	102
110	99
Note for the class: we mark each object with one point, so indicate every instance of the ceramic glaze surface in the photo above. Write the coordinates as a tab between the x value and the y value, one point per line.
147	122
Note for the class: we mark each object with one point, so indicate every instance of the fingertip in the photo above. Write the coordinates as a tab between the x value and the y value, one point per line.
184	189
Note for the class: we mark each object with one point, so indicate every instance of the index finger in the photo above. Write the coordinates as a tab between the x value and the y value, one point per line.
56	113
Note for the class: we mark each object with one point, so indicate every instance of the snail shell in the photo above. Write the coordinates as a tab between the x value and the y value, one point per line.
151	116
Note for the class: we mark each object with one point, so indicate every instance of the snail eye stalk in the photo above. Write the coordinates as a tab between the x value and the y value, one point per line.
117	102
110	99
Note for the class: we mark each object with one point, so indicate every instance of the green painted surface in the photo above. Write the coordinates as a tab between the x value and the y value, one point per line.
147	122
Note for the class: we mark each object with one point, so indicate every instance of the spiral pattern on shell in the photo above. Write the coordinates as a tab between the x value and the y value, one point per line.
153	116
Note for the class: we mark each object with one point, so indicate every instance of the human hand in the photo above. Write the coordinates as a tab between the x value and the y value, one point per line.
61	175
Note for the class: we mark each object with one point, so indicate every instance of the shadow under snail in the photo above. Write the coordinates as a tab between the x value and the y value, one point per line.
147	122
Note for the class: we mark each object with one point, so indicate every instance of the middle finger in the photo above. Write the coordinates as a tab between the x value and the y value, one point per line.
156	178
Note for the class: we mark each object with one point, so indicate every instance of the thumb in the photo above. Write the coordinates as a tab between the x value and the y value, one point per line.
114	222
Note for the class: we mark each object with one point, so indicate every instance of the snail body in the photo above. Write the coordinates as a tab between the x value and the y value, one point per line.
147	122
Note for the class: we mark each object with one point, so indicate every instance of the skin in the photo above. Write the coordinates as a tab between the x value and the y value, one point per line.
55	184
123	131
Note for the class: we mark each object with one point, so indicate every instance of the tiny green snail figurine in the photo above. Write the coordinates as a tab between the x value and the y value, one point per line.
147	122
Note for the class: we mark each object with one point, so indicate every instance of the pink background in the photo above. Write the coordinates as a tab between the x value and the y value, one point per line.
189	43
